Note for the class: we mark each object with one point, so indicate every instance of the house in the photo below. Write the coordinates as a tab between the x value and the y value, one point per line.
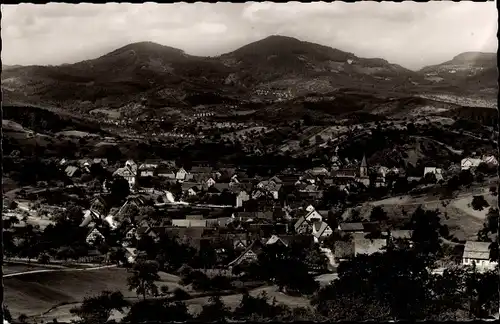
344	174
369	246
166	171
490	160
351	227
221	186
468	163
436	171
102	162
321	230
201	170
277	240
478	253
151	164
129	173
249	255
72	171
210	182
146	171
302	226
89	217
401	236
189	222
131	254
319	171
314	216
241	198
181	174
93	235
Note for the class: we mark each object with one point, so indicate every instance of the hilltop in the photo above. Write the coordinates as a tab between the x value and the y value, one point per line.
147	74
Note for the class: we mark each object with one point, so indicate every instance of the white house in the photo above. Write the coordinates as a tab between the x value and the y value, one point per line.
468	163
478	253
93	236
313	216
181	174
321	230
210	182
490	160
241	198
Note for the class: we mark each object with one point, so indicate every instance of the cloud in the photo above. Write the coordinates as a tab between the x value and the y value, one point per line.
411	34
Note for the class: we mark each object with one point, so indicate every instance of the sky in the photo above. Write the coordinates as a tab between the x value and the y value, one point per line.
410	34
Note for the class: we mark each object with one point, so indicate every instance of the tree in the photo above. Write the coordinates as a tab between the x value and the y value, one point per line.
479	203
120	189
98	309
157	311
465	177
426	225
378	214
430	178
214	311
144	275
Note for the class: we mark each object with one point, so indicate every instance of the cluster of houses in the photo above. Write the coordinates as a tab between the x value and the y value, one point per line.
469	163
273	223
247	232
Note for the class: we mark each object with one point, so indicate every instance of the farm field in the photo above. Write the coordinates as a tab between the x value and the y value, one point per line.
34	294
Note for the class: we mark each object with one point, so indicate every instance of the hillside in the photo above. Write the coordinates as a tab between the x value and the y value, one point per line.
472	70
150	75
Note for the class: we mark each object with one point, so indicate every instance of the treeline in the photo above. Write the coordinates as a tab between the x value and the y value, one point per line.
43	121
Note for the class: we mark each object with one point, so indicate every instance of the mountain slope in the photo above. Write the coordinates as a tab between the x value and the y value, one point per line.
281	62
471	70
150	75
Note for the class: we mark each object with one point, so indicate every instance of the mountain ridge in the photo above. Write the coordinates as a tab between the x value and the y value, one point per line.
150	70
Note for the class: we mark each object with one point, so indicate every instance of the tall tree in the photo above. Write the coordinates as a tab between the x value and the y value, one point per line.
98	309
426	226
214	311
142	280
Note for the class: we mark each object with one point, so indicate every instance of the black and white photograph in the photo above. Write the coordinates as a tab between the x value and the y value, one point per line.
259	161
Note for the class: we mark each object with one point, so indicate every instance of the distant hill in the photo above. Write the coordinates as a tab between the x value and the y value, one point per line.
151	75
471	70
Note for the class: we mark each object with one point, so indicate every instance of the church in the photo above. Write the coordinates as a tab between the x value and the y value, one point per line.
347	175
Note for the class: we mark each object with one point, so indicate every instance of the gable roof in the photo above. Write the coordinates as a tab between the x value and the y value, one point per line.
401	234
256	247
274	239
352	227
199	169
477	250
70	170
320	228
299	222
221	186
367	246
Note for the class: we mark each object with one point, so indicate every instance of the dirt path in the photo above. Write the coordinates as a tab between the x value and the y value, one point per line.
55	270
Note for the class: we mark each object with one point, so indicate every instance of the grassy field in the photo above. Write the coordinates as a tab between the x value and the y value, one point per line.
49	295
11	268
34	294
232	301
463	221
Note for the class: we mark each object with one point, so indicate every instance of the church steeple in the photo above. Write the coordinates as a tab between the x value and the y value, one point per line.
363	169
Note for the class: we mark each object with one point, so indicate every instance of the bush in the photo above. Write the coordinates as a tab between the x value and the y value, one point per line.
479	203
181	294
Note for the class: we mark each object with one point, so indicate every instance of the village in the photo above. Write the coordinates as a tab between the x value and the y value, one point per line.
221	207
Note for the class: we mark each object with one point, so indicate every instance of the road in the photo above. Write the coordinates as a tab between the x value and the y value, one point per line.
55	270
